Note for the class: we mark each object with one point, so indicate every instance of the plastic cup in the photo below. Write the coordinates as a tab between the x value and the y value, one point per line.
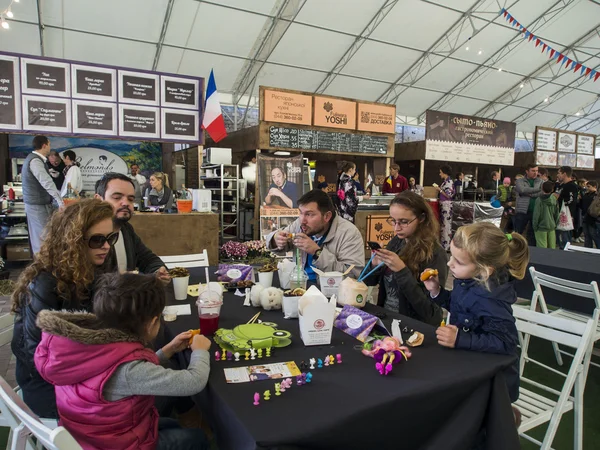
265	279
298	283
209	310
180	286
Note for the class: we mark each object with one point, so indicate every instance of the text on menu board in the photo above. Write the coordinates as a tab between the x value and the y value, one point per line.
284	137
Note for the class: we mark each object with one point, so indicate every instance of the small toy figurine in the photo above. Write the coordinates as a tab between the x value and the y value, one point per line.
229	356
309	377
387	352
320	363
277	388
331	360
312	362
288	383
237	356
268	352
223	354
303	366
267	394
217	356
247	354
326	360
339	358
299	380
252	353
256	399
282	386
259	353
303	378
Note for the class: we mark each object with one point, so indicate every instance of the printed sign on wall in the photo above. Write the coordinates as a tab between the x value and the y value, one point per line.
136	121
287	107
334	113
10	105
95	117
46	115
45	77
94	83
139	88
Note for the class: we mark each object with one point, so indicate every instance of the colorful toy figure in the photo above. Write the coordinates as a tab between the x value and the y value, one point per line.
247	355
252	353
223	354
282	386
309	377
229	356
331	360
256	399
326	360
259	353
319	363
237	356
299	380
268	352
217	356
312	362
387	352
267	394
288	383
339	358
277	388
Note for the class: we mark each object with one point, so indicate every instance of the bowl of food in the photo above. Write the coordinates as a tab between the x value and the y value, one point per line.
265	275
290	302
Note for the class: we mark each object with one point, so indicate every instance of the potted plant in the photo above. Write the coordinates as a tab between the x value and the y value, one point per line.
232	251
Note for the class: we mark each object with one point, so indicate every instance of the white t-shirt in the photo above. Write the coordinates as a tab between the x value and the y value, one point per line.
74	177
121	254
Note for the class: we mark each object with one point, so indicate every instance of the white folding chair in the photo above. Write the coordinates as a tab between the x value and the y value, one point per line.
28	423
187	261
537	408
576	248
7	323
584	290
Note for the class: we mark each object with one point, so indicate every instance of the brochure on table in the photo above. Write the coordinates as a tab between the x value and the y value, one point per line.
261	371
358	324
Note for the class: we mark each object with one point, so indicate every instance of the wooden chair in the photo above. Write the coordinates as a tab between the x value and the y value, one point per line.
28	423
570	287
187	261
537	408
576	248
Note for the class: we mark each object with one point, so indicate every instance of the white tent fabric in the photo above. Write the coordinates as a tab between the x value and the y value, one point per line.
409	52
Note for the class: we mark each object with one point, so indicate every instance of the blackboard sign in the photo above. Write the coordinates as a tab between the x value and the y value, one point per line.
179	92
284	137
138	121
45	77
139	88
9	116
180	124
94	83
100	118
47	114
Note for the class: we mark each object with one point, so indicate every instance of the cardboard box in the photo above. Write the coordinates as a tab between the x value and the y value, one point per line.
18	252
329	281
316	315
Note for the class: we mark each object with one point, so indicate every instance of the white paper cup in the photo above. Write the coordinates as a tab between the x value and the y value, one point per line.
180	286
284	279
265	279
290	307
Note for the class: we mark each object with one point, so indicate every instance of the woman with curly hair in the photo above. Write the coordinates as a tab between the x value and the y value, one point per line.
77	241
414	248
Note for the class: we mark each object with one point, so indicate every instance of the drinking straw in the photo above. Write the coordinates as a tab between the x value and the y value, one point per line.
298	263
366	266
371	272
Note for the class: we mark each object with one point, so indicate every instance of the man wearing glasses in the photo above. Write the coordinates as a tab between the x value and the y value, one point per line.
129	252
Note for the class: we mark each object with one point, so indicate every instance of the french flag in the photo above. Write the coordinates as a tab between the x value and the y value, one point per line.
213	121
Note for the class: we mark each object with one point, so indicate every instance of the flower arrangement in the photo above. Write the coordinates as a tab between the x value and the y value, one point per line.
256	248
234	250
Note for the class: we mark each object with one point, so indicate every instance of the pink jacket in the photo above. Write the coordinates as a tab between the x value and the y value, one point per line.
78	359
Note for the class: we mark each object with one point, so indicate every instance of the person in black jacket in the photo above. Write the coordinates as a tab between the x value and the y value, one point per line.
566	193
589	223
78	241
414	248
130	253
56	167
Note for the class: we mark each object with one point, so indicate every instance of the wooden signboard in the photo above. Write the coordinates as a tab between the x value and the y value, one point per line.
555	148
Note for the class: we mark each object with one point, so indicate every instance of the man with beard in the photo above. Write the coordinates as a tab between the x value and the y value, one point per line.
326	241
281	192
129	253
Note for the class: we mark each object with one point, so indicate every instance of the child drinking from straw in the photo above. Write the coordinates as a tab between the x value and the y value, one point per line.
105	377
485	263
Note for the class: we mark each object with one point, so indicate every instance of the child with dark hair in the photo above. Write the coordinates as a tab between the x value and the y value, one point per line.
545	217
106	378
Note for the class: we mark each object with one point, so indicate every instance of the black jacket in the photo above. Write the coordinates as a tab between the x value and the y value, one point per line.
139	256
568	195
586	201
37	393
414	299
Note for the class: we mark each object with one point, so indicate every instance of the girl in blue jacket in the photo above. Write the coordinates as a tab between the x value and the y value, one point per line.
485	264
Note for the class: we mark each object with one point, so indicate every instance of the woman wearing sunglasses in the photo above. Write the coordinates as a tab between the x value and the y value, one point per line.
77	242
414	248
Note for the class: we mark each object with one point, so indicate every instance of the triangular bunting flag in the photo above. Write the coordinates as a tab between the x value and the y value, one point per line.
582	70
560	57
505	12
574	66
551	53
518	24
537	42
522	27
596	76
544	48
587	71
568	62
531	36
592	73
510	20
527	34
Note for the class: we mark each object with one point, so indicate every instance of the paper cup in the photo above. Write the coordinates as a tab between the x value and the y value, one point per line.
180	286
290	307
265	279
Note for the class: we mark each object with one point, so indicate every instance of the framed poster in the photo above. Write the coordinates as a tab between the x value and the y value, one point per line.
44	77
46	114
566	142
93	83
138	88
586	162
585	144
178	92
94	118
10	105
545	140
546	158
567	159
180	124
139	121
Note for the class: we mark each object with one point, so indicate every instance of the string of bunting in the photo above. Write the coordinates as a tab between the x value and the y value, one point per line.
552	53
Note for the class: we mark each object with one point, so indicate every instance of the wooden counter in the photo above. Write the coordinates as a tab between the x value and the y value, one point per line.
179	234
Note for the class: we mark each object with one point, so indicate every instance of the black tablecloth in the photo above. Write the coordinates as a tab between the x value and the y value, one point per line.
573	266
439	399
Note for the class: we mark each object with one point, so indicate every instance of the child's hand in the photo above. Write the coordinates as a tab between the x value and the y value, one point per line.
446	335
432	284
200	342
179	343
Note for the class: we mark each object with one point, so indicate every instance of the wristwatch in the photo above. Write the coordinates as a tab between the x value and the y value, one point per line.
317	254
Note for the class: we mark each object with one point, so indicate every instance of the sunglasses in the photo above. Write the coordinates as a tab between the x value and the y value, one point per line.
98	240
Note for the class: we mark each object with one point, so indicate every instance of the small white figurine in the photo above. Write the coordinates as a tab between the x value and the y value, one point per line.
237	356
252	353
312	362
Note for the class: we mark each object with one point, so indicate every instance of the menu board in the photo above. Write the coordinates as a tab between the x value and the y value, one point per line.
566	142
46	114
586	162
284	137
545	140
10	106
96	117
585	144
74	98
94	83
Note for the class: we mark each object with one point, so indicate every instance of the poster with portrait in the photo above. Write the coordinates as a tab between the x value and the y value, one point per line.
280	186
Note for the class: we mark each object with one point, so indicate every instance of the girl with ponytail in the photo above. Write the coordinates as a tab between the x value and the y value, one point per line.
485	264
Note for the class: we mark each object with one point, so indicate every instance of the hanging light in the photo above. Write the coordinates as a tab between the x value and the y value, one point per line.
522	86
467	48
480	52
4	23
546	100
577	113
9	13
500	69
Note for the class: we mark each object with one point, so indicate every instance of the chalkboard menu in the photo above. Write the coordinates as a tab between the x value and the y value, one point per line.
284	137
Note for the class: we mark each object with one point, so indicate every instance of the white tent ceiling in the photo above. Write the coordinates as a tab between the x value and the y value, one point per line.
408	52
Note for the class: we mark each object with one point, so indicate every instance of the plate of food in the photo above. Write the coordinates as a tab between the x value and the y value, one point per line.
233	285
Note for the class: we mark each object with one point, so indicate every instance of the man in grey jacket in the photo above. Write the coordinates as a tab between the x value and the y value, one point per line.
39	191
327	241
527	190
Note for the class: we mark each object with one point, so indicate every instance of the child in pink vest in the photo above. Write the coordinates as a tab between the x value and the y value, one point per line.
106	378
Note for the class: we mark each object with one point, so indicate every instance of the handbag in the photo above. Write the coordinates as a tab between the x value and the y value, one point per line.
565	221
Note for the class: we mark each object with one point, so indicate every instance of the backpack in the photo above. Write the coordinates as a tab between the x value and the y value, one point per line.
594	209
